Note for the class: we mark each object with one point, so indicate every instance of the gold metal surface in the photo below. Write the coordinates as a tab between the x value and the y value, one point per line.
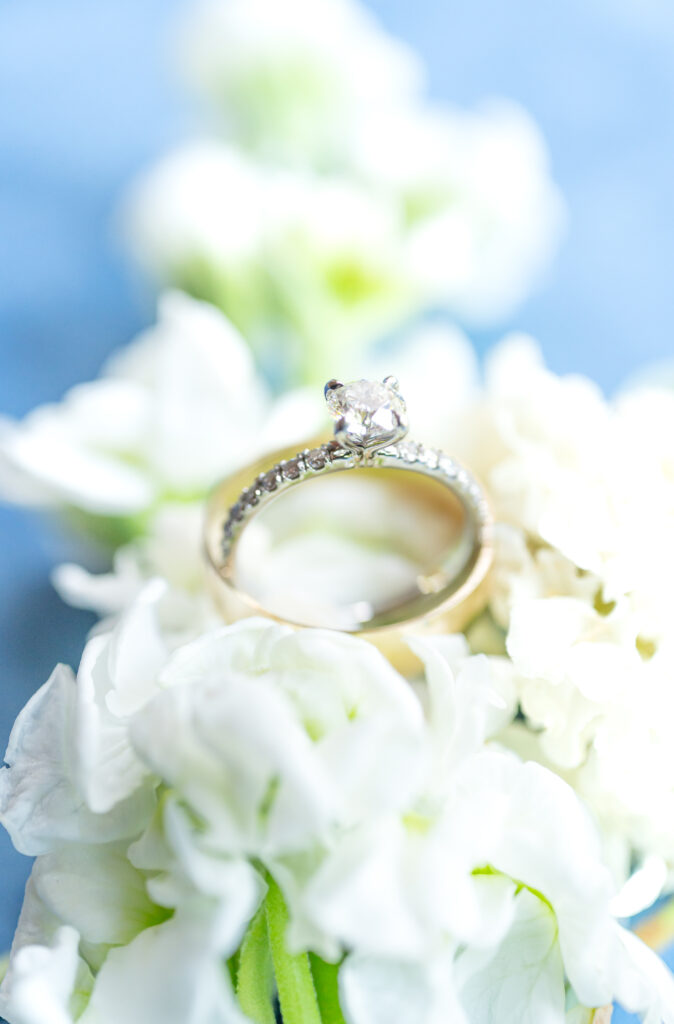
447	615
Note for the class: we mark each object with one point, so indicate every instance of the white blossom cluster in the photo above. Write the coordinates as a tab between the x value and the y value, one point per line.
583	491
176	786
329	200
422	838
169	414
583	495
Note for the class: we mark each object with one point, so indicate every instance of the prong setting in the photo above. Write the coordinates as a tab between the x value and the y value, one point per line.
369	415
332	385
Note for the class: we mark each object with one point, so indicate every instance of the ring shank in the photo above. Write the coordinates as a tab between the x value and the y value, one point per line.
446	605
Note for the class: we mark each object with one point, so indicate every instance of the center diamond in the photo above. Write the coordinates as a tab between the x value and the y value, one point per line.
370	414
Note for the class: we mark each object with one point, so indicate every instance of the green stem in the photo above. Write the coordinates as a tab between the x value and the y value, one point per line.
294	981
254	982
327	989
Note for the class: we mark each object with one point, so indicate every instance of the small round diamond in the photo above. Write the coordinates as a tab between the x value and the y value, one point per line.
269	481
370	414
316	458
291	469
409	451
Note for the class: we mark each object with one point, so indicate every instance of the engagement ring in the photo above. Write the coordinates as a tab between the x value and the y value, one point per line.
406	507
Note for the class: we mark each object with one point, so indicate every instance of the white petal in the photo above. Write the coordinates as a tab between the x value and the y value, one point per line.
363	895
200	384
644	984
523	980
542	632
641	889
104	593
95	889
109	770
379	991
40	800
41	982
118	674
47	452
240	758
170	974
137	652
234	882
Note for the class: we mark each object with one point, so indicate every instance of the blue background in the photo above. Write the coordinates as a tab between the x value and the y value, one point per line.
87	100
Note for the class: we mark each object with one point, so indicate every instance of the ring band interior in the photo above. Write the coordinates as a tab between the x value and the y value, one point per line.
356	550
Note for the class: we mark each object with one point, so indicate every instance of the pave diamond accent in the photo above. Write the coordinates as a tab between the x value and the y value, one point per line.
331	456
370	424
292	469
278	477
409	450
316	459
369	414
269	481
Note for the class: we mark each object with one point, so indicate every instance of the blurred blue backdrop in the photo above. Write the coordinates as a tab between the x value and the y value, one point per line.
87	100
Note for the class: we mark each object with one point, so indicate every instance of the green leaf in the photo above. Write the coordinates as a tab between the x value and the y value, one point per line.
327	989
294	980
254	979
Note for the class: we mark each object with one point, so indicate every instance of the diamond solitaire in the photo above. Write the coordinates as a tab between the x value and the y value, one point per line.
369	414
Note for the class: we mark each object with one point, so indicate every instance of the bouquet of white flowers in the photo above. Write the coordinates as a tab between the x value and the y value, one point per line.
334	201
237	820
257	806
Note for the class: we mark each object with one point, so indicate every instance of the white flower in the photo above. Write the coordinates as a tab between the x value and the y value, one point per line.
309	708
579	581
171	413
307	261
538	442
294	259
438	865
524	571
555	457
320	86
593	659
579	591
290	83
483	214
201	206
